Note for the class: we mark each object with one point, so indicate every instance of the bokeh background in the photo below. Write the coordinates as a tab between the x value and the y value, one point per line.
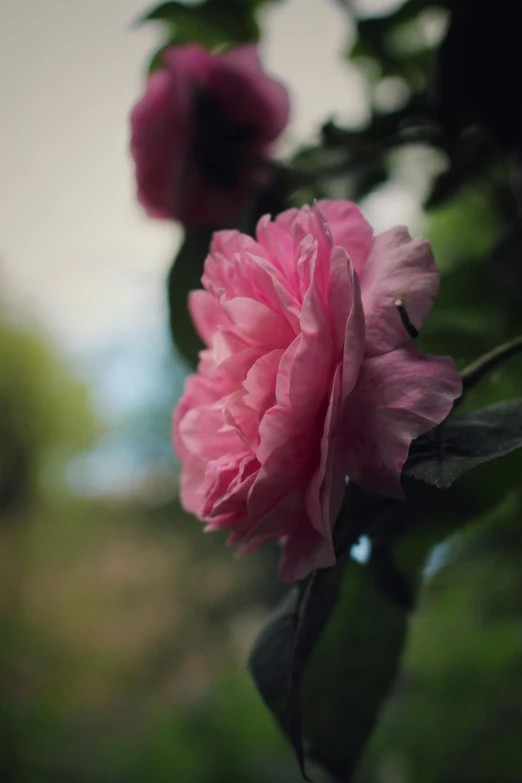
124	630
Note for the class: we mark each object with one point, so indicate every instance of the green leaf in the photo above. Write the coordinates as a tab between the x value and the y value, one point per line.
187	268
314	659
329	655
212	23
185	276
156	61
462	443
325	676
351	670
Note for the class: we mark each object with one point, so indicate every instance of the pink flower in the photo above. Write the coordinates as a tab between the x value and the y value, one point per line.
309	377
199	131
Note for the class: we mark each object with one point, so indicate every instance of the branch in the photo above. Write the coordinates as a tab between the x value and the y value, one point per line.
474	372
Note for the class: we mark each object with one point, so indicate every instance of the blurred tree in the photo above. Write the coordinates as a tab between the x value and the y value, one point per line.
46	416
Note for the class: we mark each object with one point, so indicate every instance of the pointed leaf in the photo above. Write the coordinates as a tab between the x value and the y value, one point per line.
463	442
212	23
185	276
328	657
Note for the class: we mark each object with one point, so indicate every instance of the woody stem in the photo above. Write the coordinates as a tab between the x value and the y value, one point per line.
474	371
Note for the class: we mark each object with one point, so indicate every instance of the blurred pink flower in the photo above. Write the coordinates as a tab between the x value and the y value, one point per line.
199	131
309	377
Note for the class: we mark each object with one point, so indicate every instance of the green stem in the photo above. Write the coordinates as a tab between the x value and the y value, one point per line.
474	372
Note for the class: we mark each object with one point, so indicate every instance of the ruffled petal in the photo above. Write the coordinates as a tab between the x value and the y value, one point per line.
398	396
349	229
397	268
303	552
207	313
260	101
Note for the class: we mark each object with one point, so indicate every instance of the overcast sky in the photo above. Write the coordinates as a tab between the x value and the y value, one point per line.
75	249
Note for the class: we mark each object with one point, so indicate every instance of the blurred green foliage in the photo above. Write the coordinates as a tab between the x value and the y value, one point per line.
212	23
46	416
122	627
455	712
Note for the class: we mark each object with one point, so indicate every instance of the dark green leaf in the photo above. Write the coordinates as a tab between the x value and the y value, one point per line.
156	61
327	659
351	671
463	442
212	23
346	648
270	659
184	276
281	652
354	662
328	656
280	655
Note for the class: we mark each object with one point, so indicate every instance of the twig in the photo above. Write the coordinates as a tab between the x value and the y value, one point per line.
474	372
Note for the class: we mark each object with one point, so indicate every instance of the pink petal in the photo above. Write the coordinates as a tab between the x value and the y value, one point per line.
303	552
239	267
277	428
354	338
349	229
256	322
327	486
310	374
188	63
346	314
207	313
262	101
205	434
312	249
227	243
192	484
275	237
233	367
278	476
286	219
399	396
285	515
198	391
227	345
159	121
397	268
318	496
300	392
229	486
242	419
260	381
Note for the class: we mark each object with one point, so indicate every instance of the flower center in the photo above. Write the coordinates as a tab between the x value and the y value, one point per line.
219	142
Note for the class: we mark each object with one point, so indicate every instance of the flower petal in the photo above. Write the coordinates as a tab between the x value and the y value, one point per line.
264	102
260	381
256	322
303	552
397	268
398	396
319	491
207	313
158	120
349	229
